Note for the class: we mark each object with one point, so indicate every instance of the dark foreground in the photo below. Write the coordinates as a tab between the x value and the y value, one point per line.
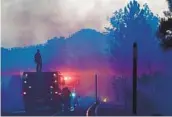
91	110
77	112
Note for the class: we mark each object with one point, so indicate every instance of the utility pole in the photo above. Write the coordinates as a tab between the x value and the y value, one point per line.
96	91
135	78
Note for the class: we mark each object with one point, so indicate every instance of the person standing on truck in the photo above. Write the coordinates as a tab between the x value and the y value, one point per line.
38	61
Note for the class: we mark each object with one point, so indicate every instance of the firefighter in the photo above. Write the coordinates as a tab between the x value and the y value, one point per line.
38	61
78	100
66	95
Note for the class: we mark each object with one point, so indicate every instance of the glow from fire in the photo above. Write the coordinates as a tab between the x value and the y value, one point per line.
105	100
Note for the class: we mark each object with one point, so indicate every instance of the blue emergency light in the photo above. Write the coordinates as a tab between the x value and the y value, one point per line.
73	94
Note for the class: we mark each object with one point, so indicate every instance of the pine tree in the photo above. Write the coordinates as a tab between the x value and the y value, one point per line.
165	28
170	4
128	25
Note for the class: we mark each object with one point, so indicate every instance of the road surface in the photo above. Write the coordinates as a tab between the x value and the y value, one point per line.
78	111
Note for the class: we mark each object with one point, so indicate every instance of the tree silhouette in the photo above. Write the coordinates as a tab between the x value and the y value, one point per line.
165	33
128	25
170	4
83	49
133	24
165	28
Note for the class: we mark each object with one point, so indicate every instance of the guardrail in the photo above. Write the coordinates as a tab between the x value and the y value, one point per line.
91	111
96	109
88	113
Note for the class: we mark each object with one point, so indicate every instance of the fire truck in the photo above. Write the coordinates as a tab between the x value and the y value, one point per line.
44	91
41	90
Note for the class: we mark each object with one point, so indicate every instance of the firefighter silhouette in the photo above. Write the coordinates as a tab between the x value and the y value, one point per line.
38	61
66	95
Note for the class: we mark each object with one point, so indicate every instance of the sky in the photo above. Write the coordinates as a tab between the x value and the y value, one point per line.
29	22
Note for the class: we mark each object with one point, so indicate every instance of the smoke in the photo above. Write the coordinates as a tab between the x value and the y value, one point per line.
28	22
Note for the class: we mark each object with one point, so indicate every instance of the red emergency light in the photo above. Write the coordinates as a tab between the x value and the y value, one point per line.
67	78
